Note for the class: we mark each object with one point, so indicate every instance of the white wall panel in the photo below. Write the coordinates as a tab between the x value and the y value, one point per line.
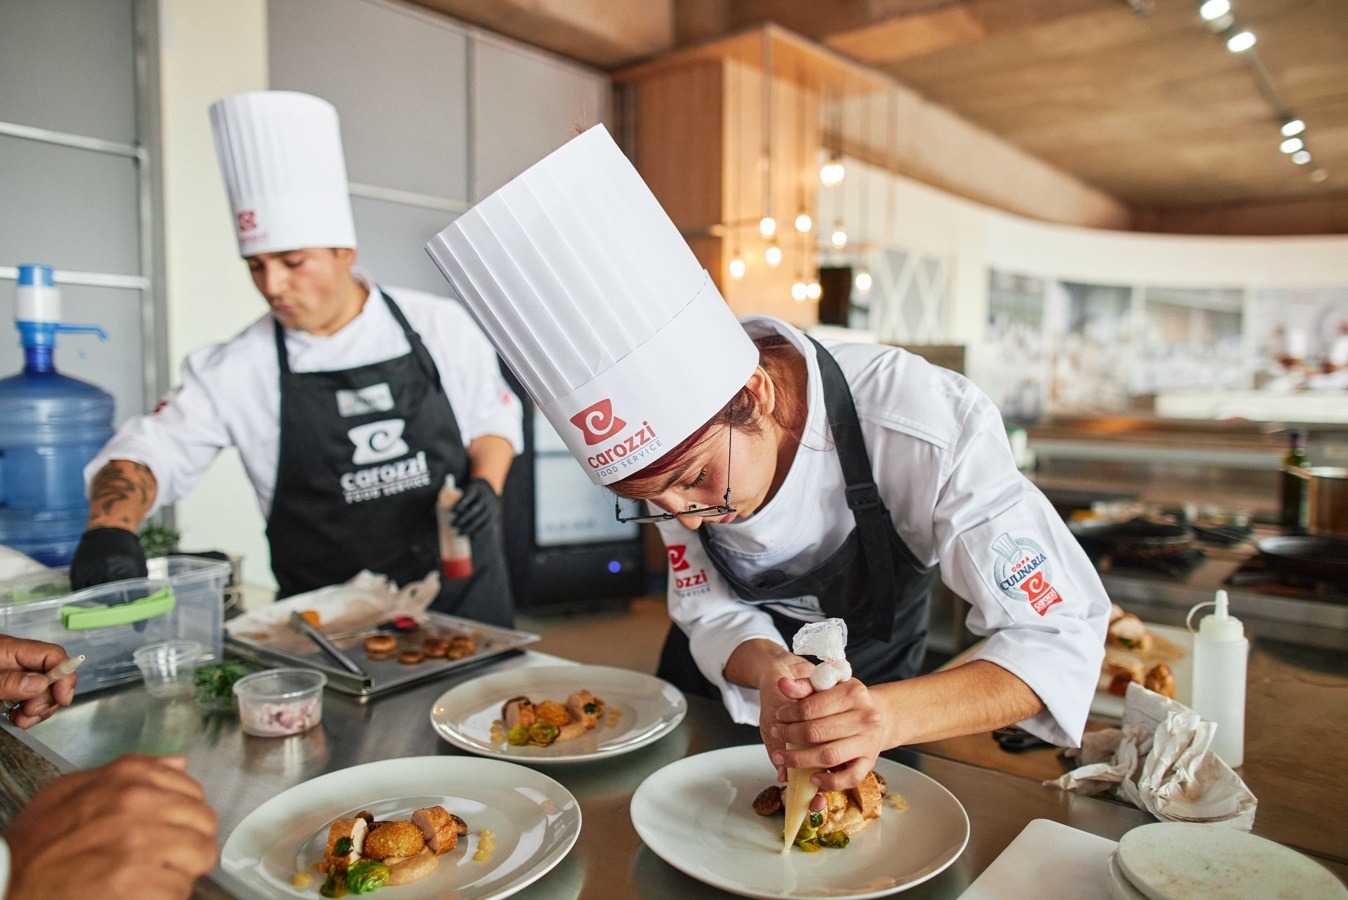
393	240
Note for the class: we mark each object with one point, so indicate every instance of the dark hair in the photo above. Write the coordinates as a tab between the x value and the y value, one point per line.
777	356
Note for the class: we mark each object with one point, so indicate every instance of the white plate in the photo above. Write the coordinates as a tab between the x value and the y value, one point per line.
535	820
641	709
697	815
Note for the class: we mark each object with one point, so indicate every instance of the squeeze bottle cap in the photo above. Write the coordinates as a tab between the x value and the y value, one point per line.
1220	625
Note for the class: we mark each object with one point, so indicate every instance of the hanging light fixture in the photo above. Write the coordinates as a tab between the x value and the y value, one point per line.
799	291
803	220
1301	157
863	280
832	172
1212	10
814	290
1240	41
1293	127
767	226
737	266
839	237
773	255
1292	145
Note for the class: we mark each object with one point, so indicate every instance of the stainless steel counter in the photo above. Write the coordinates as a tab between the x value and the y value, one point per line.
609	860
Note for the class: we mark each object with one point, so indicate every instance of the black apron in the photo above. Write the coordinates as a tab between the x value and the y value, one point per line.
873	581
363	454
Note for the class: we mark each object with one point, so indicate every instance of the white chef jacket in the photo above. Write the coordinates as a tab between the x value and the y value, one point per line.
230	393
944	469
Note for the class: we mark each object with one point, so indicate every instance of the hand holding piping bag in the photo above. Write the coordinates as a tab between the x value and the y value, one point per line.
826	640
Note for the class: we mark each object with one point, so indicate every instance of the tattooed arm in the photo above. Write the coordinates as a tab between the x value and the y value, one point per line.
121	494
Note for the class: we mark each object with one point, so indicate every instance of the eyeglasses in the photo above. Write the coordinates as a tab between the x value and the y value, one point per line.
701	512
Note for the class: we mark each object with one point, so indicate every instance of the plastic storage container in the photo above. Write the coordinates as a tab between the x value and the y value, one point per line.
182	599
280	702
169	668
50	427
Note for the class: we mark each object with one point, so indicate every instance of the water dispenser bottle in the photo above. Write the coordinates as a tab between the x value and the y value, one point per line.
50	427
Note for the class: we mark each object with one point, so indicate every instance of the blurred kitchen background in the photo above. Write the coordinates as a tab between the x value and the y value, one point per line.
1130	231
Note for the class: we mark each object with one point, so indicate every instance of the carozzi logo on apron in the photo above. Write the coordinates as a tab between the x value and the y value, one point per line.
376	442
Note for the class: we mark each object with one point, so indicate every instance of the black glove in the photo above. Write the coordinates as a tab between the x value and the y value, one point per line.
106	554
477	508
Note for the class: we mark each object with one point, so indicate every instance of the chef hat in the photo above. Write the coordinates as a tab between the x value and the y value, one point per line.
281	156
595	301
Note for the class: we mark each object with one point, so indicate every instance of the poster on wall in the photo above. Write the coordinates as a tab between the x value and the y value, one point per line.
1299	338
1015	377
1190	339
1089	340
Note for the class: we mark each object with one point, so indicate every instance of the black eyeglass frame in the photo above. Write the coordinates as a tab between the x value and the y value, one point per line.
701	512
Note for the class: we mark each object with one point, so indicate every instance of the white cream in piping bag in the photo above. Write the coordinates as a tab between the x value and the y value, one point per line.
826	640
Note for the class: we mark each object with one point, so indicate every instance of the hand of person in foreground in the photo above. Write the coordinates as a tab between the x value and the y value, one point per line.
23	664
842	731
137	828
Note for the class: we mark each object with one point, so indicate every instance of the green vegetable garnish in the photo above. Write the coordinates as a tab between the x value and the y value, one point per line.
810	846
590	707
335	884
343	846
807	831
816	819
836	840
541	735
518	736
215	683
366	876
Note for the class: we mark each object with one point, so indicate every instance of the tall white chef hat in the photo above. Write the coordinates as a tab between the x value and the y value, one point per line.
281	155
595	301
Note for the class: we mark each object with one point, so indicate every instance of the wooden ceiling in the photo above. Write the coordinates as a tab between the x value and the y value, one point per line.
1135	97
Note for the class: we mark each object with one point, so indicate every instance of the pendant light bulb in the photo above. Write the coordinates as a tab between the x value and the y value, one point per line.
863	281
799	292
1293	127
1211	10
804	223
767	226
814	290
839	237
1240	41
1301	157
832	172
1292	145
773	255
737	267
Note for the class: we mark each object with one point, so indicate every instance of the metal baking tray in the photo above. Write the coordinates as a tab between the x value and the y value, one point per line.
386	675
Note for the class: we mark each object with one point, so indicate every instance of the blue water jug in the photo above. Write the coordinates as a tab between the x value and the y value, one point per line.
50	427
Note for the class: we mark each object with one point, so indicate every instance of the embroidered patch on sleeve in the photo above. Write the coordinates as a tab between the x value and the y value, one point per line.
1023	572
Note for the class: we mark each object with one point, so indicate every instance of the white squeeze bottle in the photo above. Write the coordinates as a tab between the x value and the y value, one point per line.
1221	652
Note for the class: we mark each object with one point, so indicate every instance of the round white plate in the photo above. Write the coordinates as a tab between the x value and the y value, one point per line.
535	820
641	709
1191	860
697	815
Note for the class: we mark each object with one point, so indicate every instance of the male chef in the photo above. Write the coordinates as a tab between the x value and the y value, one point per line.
349	402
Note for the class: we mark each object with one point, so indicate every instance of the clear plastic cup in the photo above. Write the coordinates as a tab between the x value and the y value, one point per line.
169	667
280	702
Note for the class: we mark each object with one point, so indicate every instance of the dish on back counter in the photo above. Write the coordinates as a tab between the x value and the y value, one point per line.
1158	657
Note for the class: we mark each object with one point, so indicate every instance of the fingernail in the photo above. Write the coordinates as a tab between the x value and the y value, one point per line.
778	759
775	731
816	780
32	682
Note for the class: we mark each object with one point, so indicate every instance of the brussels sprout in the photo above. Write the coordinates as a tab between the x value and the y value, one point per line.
836	841
816	819
366	876
342	847
810	846
807	832
590	707
518	736
541	735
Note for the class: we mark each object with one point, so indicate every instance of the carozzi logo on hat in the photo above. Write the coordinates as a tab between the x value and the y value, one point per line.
247	220
597	422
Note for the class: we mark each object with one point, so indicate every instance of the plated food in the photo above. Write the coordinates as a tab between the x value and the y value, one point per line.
559	714
696	814
519	824
363	855
1136	652
845	813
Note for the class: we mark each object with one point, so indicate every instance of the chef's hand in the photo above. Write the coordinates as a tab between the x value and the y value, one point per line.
842	728
22	663
137	828
106	554
770	698
477	508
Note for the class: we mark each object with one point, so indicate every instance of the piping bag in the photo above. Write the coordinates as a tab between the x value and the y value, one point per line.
826	640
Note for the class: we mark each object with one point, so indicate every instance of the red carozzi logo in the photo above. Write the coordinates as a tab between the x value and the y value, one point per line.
597	422
1040	593
247	220
676	553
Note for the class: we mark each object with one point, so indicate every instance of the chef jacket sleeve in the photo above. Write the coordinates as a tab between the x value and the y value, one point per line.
180	439
1033	591
483	402
715	620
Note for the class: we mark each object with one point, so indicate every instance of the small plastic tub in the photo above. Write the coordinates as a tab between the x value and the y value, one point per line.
168	667
279	702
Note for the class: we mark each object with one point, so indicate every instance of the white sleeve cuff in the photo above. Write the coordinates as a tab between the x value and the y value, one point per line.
4	868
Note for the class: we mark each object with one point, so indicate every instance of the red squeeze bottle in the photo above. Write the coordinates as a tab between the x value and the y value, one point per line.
456	550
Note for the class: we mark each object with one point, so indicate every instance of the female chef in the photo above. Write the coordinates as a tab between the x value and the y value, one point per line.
791	481
349	403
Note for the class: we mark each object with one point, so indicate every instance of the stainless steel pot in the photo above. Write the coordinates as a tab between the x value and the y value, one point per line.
1328	516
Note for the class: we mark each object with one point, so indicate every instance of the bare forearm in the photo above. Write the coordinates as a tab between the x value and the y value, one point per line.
489	458
976	697
121	494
